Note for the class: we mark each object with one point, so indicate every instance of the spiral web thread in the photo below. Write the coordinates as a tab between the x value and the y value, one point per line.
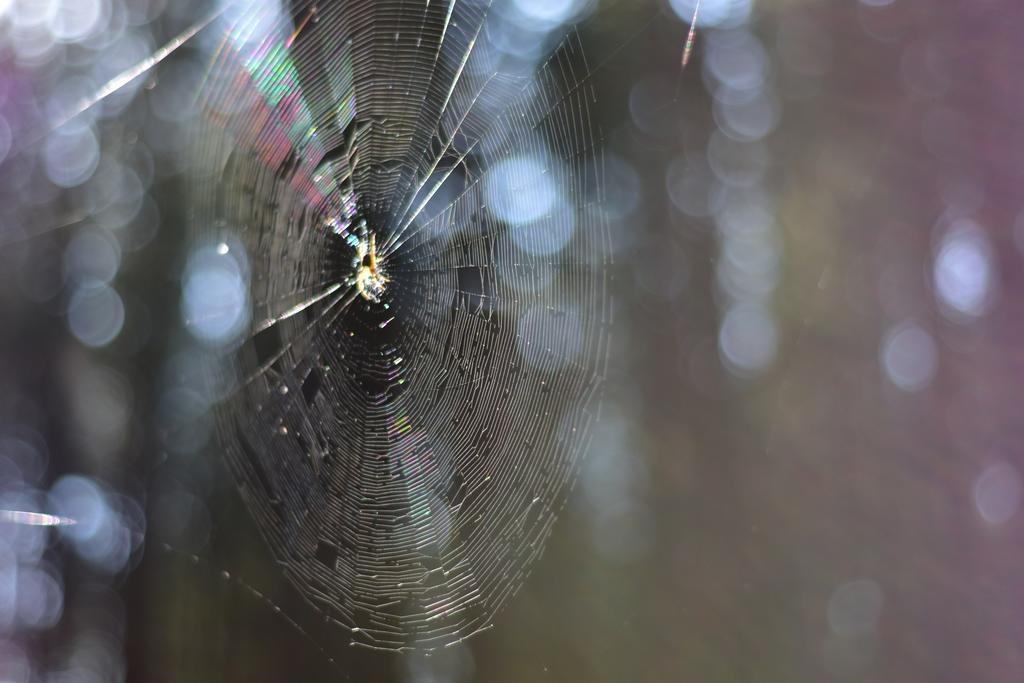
405	459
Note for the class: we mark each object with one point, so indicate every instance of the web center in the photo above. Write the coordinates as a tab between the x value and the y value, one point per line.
369	277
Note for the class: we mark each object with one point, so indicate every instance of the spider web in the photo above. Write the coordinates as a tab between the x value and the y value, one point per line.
405	459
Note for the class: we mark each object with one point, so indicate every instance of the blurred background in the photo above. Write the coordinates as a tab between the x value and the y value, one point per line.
809	462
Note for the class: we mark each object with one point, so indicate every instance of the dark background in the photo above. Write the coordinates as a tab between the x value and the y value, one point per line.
809	463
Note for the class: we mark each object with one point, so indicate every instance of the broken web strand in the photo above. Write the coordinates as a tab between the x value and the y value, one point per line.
254	593
690	37
114	85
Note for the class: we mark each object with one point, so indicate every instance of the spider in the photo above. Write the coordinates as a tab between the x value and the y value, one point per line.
369	278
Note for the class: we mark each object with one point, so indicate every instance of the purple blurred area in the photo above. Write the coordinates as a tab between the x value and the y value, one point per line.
810	465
